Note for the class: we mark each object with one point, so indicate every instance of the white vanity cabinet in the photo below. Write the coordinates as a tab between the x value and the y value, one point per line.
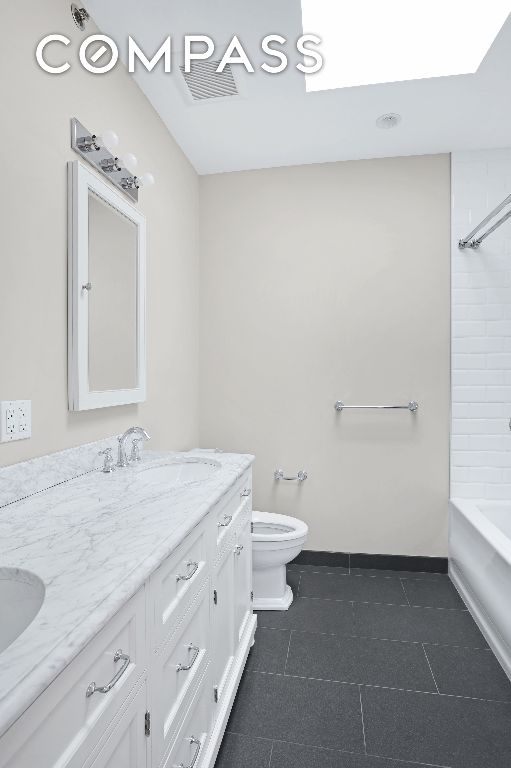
154	688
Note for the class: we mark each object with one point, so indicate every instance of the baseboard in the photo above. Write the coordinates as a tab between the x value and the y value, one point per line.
414	563
333	559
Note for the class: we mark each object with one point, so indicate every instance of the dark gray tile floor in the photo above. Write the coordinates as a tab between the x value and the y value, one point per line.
369	669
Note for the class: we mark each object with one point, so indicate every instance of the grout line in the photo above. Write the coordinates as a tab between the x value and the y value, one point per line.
362	715
430	668
380	687
404	590
375	573
377	637
299	585
271	753
319	748
254	738
349	563
288	647
398	605
398	760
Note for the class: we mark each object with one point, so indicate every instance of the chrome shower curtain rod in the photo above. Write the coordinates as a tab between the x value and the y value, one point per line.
474	242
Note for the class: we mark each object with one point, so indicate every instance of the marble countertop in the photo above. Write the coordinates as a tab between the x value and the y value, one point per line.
93	540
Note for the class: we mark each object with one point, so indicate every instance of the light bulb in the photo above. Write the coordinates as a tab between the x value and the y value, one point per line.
109	139
146	180
130	162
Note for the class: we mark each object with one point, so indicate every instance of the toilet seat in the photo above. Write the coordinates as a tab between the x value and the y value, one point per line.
269	527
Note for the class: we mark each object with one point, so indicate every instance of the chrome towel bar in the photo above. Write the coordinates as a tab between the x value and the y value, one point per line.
412	407
279	475
470	241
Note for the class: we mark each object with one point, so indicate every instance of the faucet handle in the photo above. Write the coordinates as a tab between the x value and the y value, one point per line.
108	464
135	450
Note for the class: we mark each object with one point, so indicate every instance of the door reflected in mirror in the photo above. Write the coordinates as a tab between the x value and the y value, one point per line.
112	298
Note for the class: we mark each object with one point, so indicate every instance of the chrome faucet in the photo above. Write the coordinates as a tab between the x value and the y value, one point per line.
122	460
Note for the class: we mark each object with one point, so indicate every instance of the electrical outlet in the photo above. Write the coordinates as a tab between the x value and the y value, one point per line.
15	420
24	414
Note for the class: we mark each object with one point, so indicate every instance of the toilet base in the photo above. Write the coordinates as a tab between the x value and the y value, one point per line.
274	603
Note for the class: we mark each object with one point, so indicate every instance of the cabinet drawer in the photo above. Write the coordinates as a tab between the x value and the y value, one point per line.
66	722
178	666
177	581
190	744
228	513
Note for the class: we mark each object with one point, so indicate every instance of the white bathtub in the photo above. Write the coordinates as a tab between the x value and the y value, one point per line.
480	567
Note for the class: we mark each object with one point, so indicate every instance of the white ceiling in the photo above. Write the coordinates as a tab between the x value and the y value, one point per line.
276	122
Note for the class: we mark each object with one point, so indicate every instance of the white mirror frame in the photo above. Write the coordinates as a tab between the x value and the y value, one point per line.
81	398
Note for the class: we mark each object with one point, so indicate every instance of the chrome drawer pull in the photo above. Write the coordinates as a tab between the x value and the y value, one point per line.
227	521
186	667
194	566
238	549
245	492
197	743
93	688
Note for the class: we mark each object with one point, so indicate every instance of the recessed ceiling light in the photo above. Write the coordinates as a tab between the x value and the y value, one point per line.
383	41
390	120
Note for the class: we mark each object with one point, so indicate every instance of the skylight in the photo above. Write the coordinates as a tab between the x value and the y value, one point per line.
382	41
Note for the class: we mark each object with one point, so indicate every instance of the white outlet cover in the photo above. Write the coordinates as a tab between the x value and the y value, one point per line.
15	420
24	418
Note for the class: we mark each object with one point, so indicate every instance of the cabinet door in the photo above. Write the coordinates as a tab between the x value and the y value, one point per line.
66	723
223	619
242	579
127	745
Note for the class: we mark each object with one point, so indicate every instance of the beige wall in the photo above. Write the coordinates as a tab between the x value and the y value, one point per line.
34	149
318	283
329	282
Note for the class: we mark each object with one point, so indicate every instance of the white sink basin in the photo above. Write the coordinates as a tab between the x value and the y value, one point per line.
21	597
179	471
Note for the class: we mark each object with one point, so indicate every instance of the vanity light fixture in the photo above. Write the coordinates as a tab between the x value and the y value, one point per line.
80	16
135	182
109	165
99	151
109	140
147	179
130	162
130	182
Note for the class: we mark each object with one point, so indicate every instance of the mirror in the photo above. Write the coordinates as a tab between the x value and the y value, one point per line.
107	295
112	297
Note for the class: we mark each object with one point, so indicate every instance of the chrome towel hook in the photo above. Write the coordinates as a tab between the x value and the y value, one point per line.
279	475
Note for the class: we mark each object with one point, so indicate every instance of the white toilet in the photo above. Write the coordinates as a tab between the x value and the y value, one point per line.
276	540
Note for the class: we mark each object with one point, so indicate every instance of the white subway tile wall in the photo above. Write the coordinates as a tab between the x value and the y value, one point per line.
481	330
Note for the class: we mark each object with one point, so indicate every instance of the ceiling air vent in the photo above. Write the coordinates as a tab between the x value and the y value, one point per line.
204	82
